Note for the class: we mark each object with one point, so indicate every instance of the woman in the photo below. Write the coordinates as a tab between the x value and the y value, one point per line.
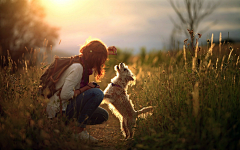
81	99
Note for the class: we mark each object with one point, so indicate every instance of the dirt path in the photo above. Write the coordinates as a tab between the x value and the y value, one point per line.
108	133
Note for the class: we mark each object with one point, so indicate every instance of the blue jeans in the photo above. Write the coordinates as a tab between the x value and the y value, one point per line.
85	107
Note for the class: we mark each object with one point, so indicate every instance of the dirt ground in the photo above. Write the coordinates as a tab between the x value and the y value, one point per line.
108	133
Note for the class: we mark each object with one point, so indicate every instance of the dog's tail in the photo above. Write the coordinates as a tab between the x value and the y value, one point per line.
144	112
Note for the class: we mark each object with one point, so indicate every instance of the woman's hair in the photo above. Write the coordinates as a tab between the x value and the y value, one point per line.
95	54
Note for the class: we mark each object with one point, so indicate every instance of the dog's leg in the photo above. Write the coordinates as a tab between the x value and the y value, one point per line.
124	125
132	125
145	111
122	128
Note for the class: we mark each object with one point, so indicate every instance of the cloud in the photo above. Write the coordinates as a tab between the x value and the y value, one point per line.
129	23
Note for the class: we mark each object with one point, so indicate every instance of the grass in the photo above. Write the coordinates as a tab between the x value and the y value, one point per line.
196	107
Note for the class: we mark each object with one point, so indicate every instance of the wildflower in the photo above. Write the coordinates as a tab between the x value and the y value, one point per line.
190	31
199	35
199	48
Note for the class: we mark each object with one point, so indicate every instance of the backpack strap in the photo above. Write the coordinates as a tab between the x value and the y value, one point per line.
76	59
72	60
61	72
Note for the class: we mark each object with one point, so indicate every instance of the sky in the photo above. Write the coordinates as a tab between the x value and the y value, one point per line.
130	24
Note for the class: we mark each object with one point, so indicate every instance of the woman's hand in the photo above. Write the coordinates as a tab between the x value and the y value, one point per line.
93	85
112	50
87	87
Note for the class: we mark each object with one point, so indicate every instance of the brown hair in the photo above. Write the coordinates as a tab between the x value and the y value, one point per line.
95	54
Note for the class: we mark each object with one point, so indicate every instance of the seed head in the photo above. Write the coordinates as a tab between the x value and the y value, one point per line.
190	31
199	48
199	35
163	71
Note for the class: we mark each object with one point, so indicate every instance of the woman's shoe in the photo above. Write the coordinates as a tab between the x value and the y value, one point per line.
84	135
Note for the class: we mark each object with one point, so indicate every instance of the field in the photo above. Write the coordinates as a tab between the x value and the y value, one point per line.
196	97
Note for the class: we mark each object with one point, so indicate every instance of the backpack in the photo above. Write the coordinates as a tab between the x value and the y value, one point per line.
53	73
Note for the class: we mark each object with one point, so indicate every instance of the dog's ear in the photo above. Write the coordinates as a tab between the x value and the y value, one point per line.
116	68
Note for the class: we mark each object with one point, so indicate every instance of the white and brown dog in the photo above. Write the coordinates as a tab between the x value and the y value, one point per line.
115	95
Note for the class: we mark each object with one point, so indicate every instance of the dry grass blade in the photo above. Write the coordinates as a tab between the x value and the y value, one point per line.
184	54
194	59
195	94
210	49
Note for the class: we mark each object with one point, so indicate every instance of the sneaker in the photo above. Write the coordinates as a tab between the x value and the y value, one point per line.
86	137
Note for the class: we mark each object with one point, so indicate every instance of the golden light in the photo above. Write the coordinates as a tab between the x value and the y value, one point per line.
61	1
61	8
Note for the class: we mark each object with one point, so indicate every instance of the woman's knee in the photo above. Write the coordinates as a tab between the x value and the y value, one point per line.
98	93
99	116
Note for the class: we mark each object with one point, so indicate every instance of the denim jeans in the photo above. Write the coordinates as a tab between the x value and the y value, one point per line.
85	107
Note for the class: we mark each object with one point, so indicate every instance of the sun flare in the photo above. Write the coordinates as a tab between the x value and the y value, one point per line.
61	8
60	1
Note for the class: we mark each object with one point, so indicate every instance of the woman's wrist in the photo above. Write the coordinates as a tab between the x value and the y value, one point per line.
89	87
77	92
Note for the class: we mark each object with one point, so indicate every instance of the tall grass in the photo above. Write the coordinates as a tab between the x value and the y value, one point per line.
23	121
196	98
197	105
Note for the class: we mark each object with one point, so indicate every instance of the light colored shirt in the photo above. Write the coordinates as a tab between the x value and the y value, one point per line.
69	81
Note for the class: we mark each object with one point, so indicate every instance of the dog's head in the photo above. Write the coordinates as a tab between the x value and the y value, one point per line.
124	72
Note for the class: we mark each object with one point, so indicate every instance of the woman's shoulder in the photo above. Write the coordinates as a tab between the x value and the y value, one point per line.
75	67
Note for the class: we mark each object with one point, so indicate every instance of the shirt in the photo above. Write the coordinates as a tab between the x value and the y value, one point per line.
69	81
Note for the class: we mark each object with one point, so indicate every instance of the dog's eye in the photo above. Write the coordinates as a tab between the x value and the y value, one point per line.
125	69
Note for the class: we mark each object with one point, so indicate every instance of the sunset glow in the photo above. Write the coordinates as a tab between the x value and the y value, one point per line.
60	1
61	8
123	23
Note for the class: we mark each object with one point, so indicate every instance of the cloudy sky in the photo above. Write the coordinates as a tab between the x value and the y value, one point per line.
130	24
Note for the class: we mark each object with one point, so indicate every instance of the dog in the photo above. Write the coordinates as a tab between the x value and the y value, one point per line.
115	95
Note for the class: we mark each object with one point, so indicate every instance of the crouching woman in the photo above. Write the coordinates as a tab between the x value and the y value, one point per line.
79	98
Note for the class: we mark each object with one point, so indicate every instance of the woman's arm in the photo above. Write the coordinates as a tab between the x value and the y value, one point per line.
85	88
71	80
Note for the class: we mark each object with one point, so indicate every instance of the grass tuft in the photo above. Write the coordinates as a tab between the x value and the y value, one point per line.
196	99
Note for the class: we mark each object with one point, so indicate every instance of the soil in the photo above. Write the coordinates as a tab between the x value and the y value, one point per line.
108	134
